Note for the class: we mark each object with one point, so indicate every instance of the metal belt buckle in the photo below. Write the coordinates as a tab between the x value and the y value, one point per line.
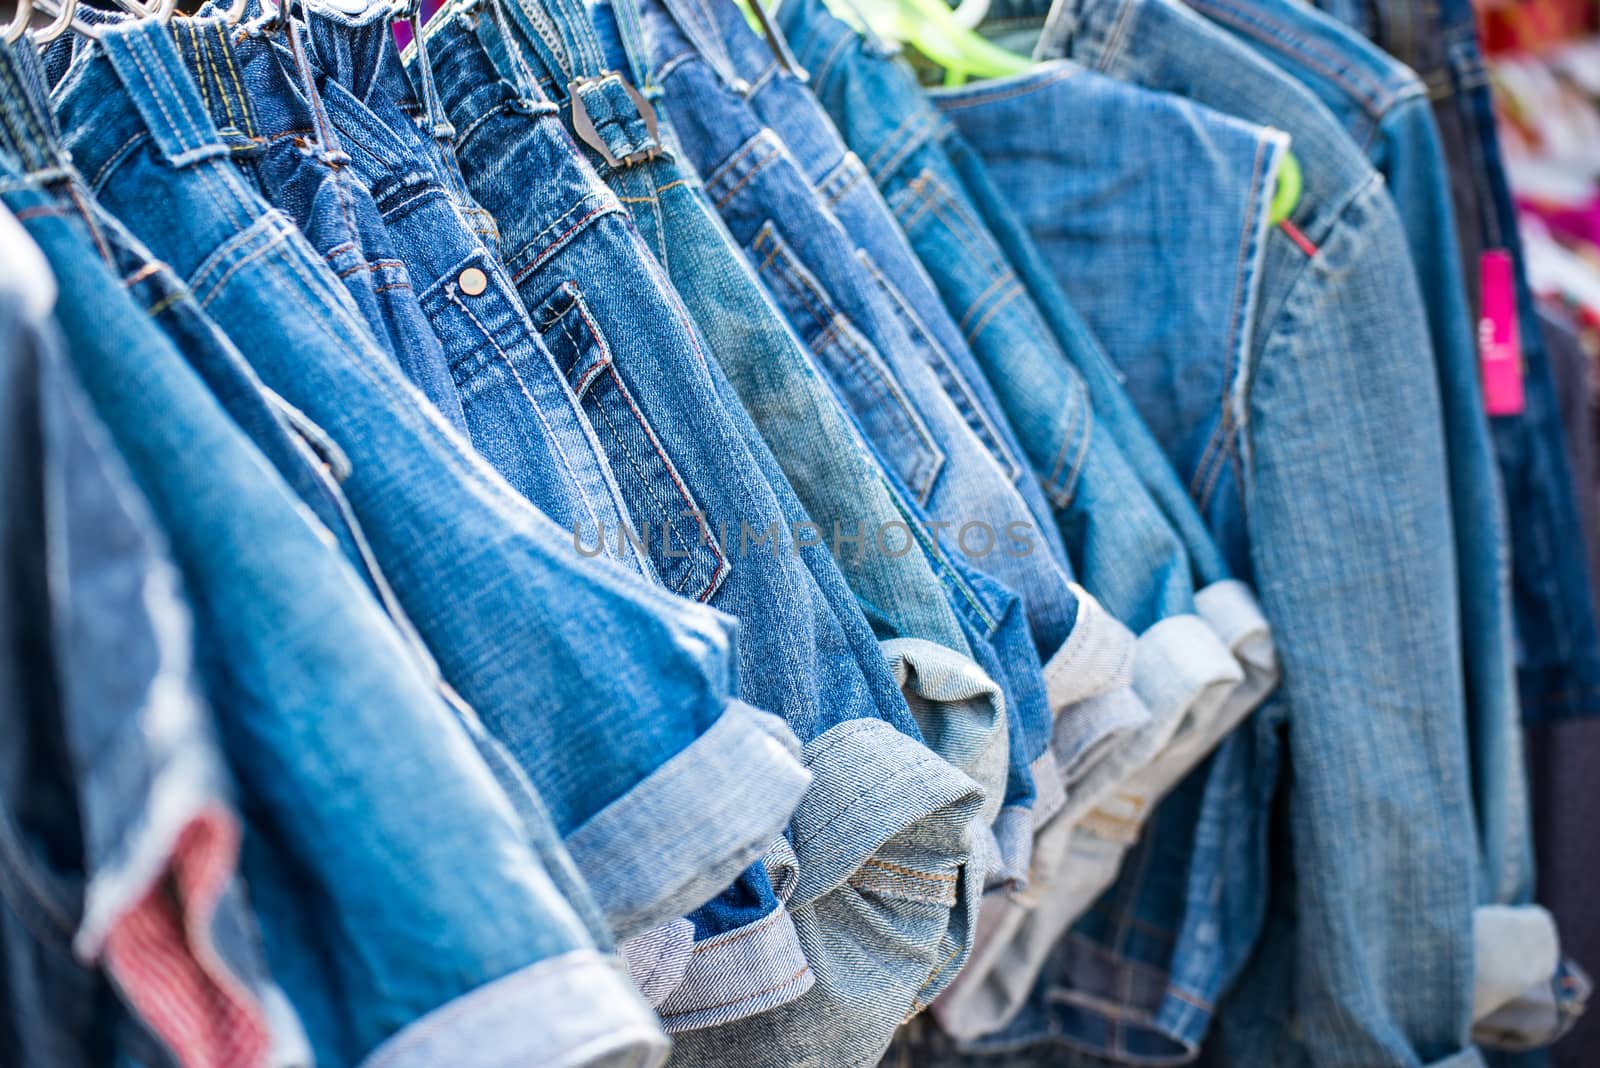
583	122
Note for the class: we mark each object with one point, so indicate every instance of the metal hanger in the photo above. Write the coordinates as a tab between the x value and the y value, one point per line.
19	22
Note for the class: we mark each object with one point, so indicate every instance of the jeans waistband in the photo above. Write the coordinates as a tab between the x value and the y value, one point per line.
135	87
27	127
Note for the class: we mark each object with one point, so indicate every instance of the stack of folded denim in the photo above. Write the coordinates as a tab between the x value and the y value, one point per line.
631	530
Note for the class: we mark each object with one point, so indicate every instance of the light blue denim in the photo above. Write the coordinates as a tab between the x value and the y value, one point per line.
814	268
922	825
880	109
505	605
352	819
1360	590
114	779
1384	108
747	958
863	518
520	413
776	90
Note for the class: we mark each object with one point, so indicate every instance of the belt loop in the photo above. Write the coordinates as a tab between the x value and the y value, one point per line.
631	30
214	65
432	107
157	82
27	126
322	126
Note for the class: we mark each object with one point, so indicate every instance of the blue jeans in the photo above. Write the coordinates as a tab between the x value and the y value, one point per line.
1372	668
880	359
466	555
1558	646
880	109
115	786
519	411
349	836
920	808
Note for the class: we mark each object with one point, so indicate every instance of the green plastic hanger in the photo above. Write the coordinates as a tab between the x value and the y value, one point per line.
926	25
930	28
1287	195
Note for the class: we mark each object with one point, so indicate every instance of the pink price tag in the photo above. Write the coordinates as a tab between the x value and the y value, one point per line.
1499	343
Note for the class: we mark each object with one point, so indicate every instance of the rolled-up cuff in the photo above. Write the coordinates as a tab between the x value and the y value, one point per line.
569	1011
658	959
738	783
739	973
870	783
1098	658
960	709
1230	609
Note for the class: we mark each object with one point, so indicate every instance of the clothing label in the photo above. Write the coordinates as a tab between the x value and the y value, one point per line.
1499	343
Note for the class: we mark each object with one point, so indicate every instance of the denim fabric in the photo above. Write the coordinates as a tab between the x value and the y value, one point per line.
748	957
272	130
778	95
861	515
879	108
1384	108
478	570
116	799
876	354
676	225
1360	588
351	819
520	413
1131	559
1558	651
924	822
1227	605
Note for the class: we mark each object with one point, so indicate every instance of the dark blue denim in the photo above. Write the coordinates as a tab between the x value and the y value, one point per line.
480	572
841	485
747	957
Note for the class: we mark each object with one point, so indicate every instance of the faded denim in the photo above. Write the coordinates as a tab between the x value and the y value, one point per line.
1382	981
878	106
467	556
288	632
1384	108
923	824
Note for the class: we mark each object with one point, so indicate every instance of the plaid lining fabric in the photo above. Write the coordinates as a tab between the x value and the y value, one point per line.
160	955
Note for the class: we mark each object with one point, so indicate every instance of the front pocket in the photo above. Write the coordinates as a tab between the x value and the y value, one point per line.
667	522
854	367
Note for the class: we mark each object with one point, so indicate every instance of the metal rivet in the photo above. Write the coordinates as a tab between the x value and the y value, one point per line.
473	281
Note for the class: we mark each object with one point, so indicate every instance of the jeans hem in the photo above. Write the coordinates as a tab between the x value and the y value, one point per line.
739	973
741	779
871	784
583	1011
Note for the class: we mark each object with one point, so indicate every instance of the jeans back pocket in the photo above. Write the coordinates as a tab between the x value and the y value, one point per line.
668	524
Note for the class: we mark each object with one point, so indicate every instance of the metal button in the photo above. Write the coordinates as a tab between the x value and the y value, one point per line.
473	281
